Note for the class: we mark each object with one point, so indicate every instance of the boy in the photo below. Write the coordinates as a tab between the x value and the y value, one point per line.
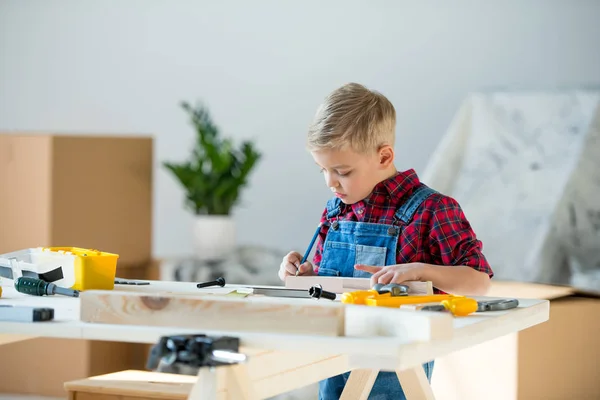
382	223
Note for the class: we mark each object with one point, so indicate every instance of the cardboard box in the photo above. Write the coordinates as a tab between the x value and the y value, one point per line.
83	191
554	360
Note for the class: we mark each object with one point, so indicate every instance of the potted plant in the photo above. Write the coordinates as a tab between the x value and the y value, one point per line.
213	178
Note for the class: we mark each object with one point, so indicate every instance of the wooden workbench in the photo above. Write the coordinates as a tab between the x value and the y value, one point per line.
279	359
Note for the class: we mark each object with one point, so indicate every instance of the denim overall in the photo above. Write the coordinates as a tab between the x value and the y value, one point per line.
348	243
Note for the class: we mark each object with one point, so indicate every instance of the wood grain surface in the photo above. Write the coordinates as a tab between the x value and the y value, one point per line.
260	314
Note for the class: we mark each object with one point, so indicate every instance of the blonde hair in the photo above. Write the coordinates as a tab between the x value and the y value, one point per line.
356	116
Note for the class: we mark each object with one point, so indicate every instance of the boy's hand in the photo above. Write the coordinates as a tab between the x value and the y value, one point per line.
394	273
291	264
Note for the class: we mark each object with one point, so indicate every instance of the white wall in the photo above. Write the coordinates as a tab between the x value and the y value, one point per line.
263	67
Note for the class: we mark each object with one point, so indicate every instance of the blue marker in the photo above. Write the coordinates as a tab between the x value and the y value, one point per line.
310	246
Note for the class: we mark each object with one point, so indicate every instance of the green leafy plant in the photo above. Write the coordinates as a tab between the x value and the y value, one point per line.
216	171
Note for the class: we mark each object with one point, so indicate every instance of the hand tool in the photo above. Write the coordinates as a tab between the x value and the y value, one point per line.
460	306
394	289
497	305
269	291
377	291
185	354
277	292
121	281
392	296
217	282
310	246
466	308
38	287
316	292
25	313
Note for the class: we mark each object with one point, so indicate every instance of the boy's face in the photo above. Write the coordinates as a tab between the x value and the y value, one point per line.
351	175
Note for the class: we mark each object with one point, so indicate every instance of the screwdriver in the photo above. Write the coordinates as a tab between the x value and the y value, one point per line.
38	287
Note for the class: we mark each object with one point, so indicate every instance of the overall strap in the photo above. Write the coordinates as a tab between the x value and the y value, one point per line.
406	211
333	207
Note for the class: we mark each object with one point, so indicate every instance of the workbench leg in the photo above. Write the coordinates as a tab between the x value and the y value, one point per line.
239	385
359	384
237	382
205	387
415	384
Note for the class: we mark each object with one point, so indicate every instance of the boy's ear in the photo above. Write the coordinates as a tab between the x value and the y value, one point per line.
386	156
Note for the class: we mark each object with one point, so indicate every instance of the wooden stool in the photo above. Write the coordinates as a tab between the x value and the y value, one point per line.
131	385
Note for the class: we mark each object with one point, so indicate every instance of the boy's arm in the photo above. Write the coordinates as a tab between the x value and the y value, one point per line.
460	266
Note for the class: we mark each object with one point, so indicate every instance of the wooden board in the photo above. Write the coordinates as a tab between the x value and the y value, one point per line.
260	314
340	285
528	290
253	314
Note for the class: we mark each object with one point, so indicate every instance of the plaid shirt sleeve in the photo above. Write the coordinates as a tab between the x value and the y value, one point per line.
452	239
319	248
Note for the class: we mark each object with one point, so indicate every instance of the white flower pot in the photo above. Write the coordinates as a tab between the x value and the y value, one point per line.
214	237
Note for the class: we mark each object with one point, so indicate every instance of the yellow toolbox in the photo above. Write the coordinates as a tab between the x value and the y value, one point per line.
72	267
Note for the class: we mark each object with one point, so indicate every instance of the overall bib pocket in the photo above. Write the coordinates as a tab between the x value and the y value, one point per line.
369	255
338	259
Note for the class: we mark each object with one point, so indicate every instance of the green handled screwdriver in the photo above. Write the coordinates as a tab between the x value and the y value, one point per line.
38	287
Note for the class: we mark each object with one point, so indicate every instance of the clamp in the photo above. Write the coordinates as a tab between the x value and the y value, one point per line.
186	354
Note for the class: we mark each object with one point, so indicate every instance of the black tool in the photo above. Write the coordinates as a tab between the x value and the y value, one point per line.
497	305
185	354
316	292
38	287
217	282
394	289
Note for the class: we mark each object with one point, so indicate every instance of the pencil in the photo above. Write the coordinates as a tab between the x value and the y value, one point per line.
310	246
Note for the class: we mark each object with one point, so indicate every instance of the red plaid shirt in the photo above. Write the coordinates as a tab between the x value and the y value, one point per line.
438	233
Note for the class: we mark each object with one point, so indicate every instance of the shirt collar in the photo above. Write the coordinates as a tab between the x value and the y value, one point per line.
396	186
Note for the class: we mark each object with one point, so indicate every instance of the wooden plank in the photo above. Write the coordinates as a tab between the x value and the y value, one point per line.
366	321
132	383
102	396
270	364
340	284
301	376
528	290
260	314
